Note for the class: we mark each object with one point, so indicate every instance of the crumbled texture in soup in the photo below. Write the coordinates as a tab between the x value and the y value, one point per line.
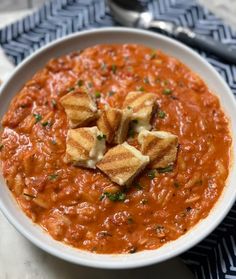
69	202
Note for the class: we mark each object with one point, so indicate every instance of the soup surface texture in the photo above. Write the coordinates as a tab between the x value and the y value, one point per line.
69	202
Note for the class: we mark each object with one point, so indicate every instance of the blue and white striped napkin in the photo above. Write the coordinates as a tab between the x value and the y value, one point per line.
215	257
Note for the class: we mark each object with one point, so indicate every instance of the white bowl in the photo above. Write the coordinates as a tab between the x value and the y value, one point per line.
120	35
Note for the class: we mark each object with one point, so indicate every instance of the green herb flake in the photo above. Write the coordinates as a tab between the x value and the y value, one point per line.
167	169
54	142
130	220
46	123
102	197
90	84
103	66
151	174
113	68
70	89
176	184
101	137
37	117
129	107
198	182
167	91
97	94
53	176
161	114
111	93
80	82
118	196
138	186
144	201
1	146
53	103
146	80
141	88
153	55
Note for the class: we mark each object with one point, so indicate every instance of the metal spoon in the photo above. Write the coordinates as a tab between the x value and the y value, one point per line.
135	14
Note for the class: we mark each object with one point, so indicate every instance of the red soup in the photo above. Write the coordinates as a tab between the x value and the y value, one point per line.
68	201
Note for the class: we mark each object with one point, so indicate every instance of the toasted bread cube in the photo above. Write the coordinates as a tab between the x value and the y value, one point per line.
142	105
84	147
79	107
160	146
122	163
114	123
109	122
123	128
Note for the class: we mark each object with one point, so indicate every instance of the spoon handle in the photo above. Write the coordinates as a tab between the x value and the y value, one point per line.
209	45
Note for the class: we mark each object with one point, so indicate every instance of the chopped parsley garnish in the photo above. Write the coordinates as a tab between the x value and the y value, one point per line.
70	89
54	103
161	114
90	84
141	88
167	91
198	182
53	176
176	184
151	174
138	186
46	123
54	141
97	94
146	80
111	93
118	196
100	137
37	117
1	146
167	169
113	68
80	82
144	201
130	220
153	55
103	66
129	107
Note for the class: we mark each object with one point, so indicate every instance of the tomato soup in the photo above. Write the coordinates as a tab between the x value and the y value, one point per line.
68	201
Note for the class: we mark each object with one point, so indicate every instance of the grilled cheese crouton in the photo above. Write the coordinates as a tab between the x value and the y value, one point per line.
160	146
109	122
142	105
123	128
122	163
84	146
79	107
114	123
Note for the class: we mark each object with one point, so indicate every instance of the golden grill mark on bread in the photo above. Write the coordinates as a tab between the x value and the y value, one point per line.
122	163
84	146
123	128
160	146
79	107
109	122
142	105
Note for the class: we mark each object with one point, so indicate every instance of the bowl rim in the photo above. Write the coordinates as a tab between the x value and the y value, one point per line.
100	263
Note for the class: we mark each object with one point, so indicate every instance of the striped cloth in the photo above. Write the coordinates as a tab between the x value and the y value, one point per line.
215	257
